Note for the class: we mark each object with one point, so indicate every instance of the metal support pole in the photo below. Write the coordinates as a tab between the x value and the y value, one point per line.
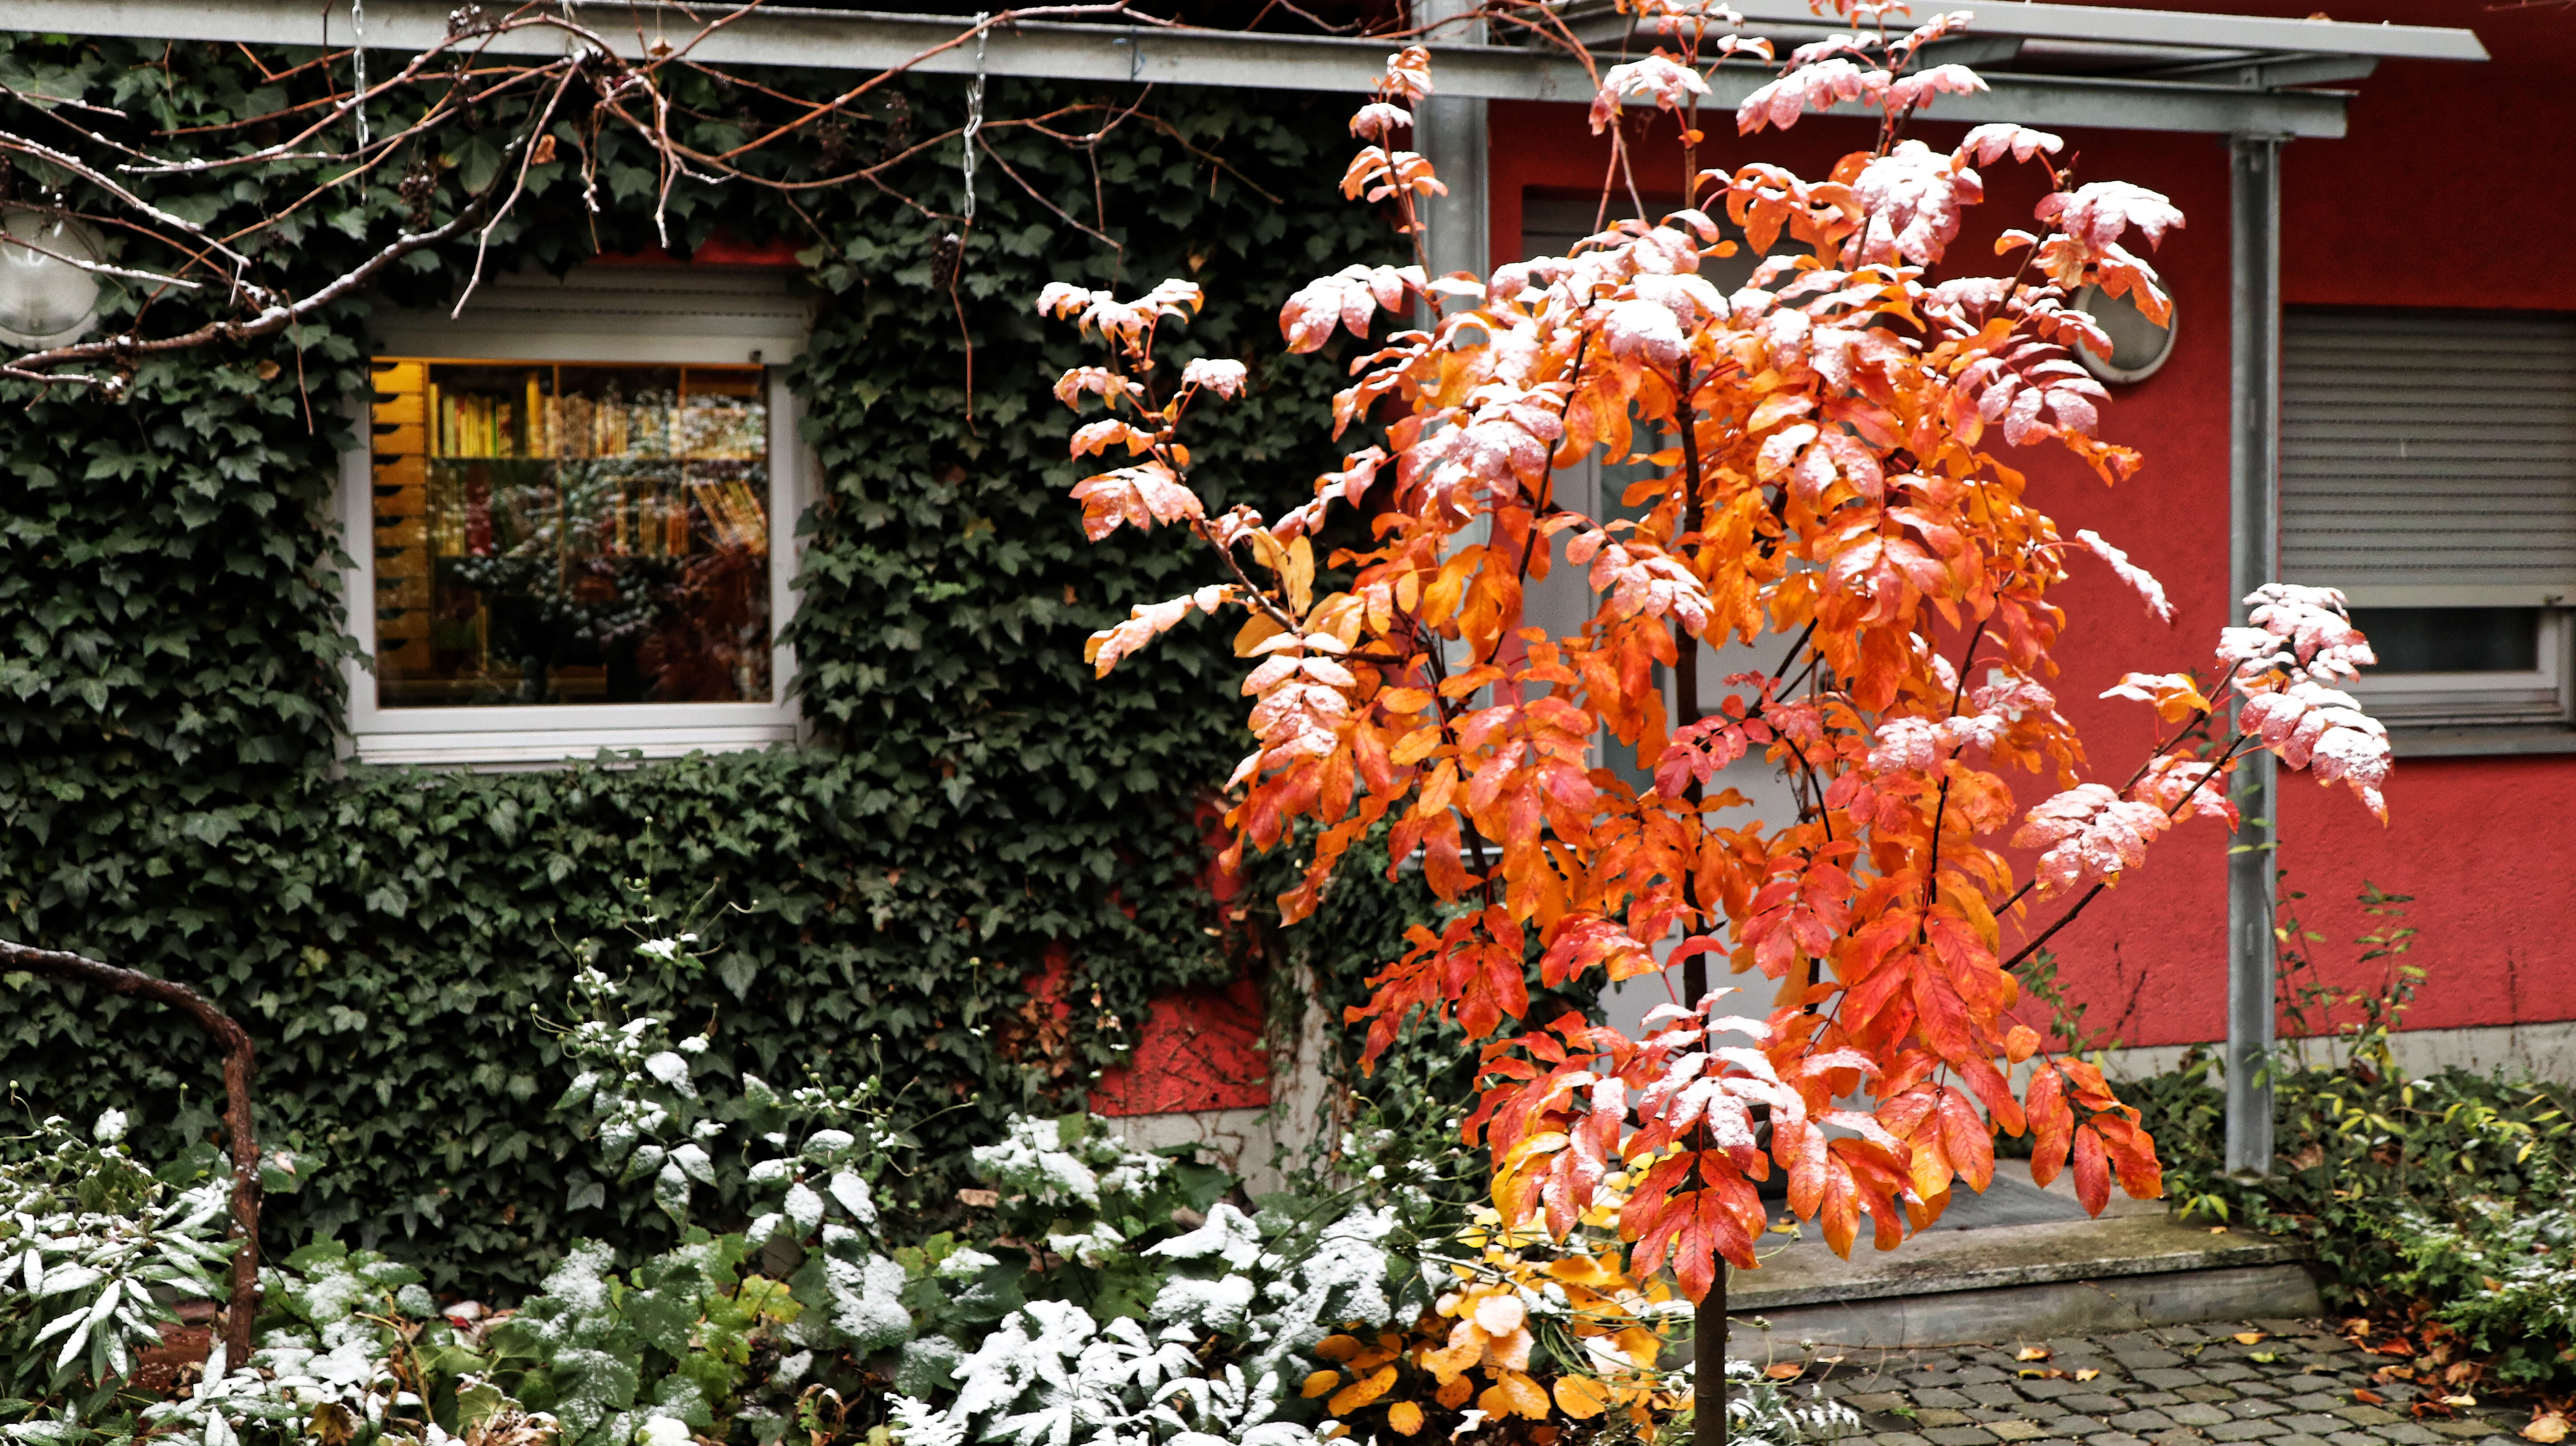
1449	130
2253	449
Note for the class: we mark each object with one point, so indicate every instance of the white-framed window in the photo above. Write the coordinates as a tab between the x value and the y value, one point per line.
2428	469
573	522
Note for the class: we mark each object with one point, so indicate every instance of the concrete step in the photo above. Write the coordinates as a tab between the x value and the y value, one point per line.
2017	1263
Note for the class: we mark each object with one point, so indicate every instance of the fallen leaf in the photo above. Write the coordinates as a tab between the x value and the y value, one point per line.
2266	1357
2546	1427
2088	1373
1784	1370
2218	1230
2034	1353
2462	1402
2051	1374
2247	1338
2370	1397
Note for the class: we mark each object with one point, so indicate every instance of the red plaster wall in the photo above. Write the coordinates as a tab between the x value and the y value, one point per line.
2388	216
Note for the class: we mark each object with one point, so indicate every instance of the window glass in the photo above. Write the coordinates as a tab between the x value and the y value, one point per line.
559	533
2452	640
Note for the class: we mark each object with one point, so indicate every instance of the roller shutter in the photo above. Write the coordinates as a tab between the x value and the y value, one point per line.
2429	458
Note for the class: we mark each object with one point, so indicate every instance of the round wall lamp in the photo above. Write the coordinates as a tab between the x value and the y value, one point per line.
46	299
2138	346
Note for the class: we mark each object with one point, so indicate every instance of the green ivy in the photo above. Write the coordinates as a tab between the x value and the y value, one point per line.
171	653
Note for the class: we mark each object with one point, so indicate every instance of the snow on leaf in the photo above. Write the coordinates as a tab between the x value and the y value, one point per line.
1670	84
1917	90
1988	144
1141	496
2175	695
2183	788
2099	213
1813	87
2152	591
2089	834
1912	196
2309	722
1377	121
1223	377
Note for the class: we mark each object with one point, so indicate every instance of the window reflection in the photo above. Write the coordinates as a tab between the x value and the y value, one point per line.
561	533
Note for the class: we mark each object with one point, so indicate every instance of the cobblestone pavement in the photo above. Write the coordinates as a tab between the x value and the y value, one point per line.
2172	1386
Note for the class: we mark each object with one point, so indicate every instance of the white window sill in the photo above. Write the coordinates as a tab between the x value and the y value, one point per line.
2479	742
489	752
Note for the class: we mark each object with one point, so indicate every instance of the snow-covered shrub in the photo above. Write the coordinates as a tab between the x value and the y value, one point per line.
1215	1358
90	1245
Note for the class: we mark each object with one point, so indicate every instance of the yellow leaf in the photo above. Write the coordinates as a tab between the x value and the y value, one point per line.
1581	1397
2033	1353
2086	1374
1300	576
1320	1382
1404	1418
1256	630
1514	1395
1783	1371
1453	1393
2547	1427
1338	1347
2247	1338
1359	1393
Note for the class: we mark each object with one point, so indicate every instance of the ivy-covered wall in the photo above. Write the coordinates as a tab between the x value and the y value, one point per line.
398	941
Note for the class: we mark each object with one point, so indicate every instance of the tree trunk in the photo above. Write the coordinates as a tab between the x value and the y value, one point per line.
240	1063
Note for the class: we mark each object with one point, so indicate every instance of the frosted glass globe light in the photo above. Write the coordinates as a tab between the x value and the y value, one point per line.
44	300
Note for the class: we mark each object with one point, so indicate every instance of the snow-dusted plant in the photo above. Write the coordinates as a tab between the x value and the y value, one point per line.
91	1244
1212	1360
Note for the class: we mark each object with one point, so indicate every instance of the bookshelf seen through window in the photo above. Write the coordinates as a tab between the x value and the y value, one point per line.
569	533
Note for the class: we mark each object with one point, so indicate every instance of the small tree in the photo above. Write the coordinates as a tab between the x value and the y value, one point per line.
1821	442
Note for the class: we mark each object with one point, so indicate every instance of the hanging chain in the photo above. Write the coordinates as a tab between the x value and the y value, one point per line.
358	52
974	117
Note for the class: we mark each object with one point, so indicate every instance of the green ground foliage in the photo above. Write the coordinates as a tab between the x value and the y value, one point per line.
2448	1199
171	655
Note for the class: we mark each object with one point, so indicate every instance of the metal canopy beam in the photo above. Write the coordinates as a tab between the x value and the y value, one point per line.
864	41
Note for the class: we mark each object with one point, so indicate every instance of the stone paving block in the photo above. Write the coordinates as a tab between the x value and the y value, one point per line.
2352	1438
2319	1361
1960	1436
2115	1438
1992	1393
2206	1393
2249	1410
1940	1396
2074	1426
2325	1398
2198	1413
2140	1358
2142	1421
2178	1436
1874	1400
2367	1415
2172	1378
1929	1416
2095	1404
2227	1371
2246	1431
2459	1430
2407	1433
2138	1399
2041	1388
2498	1441
2314	1423
1980	1375
2298	1438
1898	1438
2255	1388
2311	1383
2017	1430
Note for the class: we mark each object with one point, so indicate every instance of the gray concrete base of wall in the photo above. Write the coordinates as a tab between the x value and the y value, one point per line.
2033	1312
2042	1269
